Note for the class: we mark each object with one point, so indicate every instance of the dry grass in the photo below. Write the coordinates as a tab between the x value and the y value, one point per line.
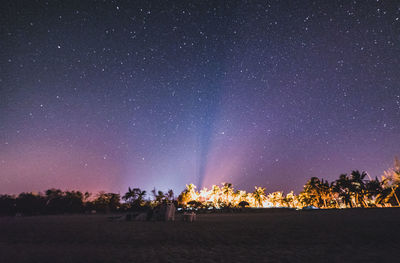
359	235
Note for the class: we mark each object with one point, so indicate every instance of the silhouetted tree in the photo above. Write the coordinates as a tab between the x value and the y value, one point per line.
358	188
391	184
135	198
159	196
30	203
7	205
170	195
317	192
58	201
107	202
74	201
343	187
55	202
374	191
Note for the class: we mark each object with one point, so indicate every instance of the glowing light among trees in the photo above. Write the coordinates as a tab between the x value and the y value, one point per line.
350	191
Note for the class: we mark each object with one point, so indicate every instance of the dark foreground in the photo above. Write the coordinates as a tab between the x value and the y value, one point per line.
359	235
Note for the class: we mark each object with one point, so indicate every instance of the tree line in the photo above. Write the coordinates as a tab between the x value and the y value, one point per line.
352	190
348	191
56	201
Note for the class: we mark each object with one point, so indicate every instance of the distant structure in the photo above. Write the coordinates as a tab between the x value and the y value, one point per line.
170	212
164	212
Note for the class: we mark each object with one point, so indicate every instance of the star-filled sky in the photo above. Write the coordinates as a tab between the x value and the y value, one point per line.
102	95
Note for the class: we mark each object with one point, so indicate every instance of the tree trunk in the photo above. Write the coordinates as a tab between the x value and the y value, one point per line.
394	192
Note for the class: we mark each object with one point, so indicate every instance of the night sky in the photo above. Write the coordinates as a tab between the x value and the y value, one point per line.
102	95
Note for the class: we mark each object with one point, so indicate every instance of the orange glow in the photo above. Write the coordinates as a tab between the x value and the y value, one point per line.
227	196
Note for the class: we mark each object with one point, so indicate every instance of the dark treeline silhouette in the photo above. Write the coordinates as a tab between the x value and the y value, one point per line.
56	201
348	191
351	191
354	190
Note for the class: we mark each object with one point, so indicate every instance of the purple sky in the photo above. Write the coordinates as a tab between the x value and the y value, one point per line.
102	96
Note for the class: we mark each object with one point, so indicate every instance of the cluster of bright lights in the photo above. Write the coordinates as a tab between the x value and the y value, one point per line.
227	196
347	192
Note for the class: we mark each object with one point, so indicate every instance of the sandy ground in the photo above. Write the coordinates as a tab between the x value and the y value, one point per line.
358	235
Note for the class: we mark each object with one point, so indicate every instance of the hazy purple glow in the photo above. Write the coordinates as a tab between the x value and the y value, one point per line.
102	96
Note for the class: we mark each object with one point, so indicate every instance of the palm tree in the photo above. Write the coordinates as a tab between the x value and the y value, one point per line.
216	195
305	199
135	195
129	196
170	195
227	190
191	191
276	199
159	196
259	196
243	195
187	195
374	191
314	190
343	188
333	195
290	200
325	192
391	183
141	195
358	186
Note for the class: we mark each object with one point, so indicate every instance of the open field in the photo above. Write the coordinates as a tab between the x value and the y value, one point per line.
358	235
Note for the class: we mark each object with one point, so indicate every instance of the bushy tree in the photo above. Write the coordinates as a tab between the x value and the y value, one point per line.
7	205
106	202
30	203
